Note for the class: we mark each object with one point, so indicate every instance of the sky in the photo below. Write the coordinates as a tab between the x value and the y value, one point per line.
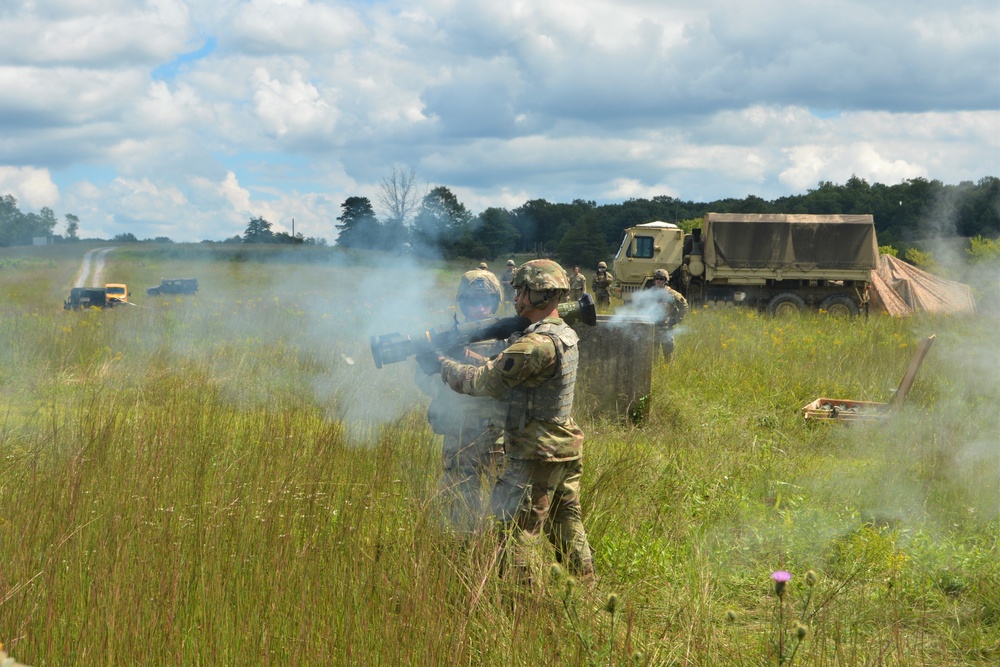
186	118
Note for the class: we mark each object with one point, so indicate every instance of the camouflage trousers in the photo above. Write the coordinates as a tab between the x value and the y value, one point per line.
532	496
665	341
602	299
466	465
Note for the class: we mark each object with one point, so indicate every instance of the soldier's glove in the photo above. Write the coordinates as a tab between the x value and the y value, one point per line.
430	362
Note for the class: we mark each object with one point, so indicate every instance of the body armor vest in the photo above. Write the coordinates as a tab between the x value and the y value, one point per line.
553	400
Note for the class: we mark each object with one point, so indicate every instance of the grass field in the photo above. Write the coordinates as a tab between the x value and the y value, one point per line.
226	479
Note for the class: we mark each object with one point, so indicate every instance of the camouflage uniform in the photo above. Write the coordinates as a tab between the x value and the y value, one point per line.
472	448
675	307
507	290
602	284
539	488
577	286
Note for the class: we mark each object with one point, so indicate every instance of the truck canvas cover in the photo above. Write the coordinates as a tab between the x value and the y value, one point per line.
789	242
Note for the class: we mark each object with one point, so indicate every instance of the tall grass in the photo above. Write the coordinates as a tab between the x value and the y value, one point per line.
225	479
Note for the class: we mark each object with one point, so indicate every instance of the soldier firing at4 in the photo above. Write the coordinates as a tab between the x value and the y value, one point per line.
534	378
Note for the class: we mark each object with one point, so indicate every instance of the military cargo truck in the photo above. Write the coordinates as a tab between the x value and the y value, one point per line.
174	286
781	263
88	297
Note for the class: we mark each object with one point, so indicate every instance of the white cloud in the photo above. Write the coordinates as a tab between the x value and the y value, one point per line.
33	188
302	103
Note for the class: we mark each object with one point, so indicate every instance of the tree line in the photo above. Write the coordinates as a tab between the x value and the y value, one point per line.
437	224
583	232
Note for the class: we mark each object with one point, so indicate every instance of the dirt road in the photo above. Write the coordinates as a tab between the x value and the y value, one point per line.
92	269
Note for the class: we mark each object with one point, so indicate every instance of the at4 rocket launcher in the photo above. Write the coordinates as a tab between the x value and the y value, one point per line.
394	347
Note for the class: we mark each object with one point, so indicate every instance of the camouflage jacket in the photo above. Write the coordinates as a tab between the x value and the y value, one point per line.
577	285
602	282
539	361
675	306
505	286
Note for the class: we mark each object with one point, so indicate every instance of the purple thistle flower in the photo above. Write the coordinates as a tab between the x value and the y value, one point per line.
781	579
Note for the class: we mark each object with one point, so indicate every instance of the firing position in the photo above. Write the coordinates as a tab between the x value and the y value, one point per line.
534	378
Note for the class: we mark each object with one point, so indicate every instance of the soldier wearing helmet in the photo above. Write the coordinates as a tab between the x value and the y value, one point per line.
534	378
672	307
602	285
508	289
472	447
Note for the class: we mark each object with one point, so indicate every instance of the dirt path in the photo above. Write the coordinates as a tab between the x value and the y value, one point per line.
92	274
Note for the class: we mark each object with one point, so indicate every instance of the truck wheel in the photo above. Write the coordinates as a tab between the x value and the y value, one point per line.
785	304
839	305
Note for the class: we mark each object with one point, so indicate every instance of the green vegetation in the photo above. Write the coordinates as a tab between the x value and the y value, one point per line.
225	479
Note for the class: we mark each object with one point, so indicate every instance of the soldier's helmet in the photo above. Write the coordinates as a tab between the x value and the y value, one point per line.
661	274
478	285
510	262
602	265
483	266
541	275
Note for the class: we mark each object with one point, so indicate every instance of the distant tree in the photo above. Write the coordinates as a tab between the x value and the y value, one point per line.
125	237
258	231
443	225
983	250
359	228
888	250
234	239
399	198
582	243
72	227
920	258
288	239
495	230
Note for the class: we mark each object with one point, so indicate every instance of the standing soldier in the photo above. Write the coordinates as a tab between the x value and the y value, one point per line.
508	289
602	285
675	307
534	378
472	448
577	284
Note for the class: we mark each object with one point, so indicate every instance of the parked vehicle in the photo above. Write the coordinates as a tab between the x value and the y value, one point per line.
117	292
781	263
174	286
88	297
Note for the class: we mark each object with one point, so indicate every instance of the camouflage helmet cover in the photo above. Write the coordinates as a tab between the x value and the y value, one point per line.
483	266
478	284
660	273
602	265
540	275
510	262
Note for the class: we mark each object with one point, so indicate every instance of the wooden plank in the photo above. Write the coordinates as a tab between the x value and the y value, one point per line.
911	372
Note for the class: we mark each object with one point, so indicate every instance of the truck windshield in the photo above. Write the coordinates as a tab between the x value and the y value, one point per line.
118	291
643	248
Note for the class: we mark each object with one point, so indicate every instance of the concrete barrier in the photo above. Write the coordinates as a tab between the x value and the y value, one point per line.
616	368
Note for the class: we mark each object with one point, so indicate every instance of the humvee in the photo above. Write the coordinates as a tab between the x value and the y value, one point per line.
174	286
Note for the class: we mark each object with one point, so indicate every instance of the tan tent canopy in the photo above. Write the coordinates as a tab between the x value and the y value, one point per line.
902	289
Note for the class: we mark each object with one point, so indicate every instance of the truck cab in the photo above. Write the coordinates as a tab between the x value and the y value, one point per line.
116	292
645	248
